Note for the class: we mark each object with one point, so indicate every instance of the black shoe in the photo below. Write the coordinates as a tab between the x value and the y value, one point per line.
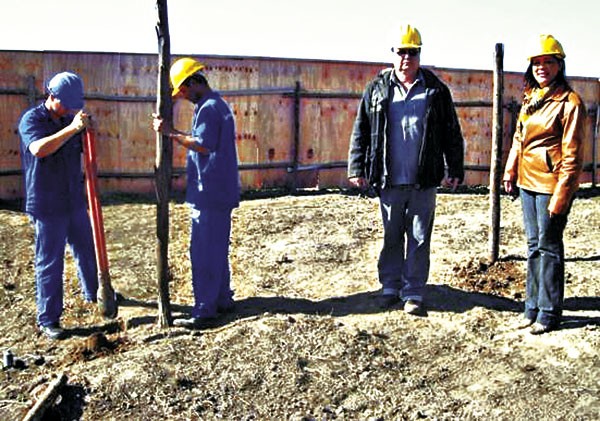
387	300
53	331
414	307
196	322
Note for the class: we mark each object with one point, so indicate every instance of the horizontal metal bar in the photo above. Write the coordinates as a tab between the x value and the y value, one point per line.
324	166
13	91
257	91
283	91
119	98
267	166
326	94
288	166
10	172
477	168
472	103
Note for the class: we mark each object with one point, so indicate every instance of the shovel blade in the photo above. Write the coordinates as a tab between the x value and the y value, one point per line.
107	300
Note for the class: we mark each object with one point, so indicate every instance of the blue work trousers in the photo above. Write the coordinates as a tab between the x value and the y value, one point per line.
52	233
408	215
545	259
209	253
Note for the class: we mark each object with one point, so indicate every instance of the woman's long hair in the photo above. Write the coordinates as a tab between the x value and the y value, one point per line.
559	80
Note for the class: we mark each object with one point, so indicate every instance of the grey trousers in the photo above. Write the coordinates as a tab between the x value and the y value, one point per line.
408	214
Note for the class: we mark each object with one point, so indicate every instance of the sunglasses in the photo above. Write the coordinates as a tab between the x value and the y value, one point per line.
412	52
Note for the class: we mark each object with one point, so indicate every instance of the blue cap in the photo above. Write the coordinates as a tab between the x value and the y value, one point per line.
67	87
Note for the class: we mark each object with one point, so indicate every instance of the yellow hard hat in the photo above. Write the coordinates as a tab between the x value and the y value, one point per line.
546	45
182	69
406	36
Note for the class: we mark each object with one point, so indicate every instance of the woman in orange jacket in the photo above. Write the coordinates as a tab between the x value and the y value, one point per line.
544	163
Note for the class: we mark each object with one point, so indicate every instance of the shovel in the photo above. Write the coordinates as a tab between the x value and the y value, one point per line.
106	295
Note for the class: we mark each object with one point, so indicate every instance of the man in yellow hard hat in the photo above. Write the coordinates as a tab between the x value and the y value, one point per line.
406	129
213	189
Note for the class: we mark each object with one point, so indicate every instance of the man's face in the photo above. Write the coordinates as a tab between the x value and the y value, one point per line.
193	92
406	60
184	93
57	108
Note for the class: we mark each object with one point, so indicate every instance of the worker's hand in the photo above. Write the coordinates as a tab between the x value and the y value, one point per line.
157	123
511	189
358	181
452	182
80	121
159	126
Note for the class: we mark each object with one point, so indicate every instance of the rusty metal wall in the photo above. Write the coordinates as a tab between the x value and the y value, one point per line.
290	114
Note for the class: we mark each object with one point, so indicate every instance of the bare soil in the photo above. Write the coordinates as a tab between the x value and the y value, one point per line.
307	340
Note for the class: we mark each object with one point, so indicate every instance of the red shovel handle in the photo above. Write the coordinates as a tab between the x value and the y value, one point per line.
106	295
89	153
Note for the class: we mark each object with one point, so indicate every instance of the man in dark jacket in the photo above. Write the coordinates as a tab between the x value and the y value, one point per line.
406	130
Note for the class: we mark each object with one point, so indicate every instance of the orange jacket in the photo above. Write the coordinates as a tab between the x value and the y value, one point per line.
547	149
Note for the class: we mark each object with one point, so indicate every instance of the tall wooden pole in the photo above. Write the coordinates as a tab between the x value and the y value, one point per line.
496	157
595	139
164	164
296	152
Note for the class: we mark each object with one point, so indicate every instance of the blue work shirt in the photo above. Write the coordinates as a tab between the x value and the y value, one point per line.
54	184
407	120
213	178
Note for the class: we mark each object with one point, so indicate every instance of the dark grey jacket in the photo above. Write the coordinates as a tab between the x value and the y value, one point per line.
368	155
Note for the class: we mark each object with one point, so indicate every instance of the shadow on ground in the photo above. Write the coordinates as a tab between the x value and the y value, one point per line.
440	298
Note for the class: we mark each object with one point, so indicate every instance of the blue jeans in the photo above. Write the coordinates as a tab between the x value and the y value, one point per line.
545	259
407	214
209	253
52	233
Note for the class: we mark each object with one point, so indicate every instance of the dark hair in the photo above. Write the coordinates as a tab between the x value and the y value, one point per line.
196	77
560	79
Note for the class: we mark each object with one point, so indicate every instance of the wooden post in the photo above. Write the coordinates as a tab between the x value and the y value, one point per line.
595	146
31	93
296	153
496	156
164	163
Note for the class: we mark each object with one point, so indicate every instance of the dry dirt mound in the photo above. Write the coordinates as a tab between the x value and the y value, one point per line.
506	279
307	340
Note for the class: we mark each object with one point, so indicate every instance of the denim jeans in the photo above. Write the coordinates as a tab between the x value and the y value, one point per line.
209	253
407	214
52	233
545	259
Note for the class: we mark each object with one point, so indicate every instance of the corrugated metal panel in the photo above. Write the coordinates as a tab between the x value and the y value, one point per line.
121	88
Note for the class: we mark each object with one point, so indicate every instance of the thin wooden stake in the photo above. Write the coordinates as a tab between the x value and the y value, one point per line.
45	401
496	157
164	164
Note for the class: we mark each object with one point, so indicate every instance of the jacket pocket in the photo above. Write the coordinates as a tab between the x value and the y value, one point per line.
538	160
553	158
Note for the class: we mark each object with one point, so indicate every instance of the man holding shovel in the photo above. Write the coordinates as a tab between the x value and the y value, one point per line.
51	146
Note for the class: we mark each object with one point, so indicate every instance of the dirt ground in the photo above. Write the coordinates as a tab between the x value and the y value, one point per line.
307	340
